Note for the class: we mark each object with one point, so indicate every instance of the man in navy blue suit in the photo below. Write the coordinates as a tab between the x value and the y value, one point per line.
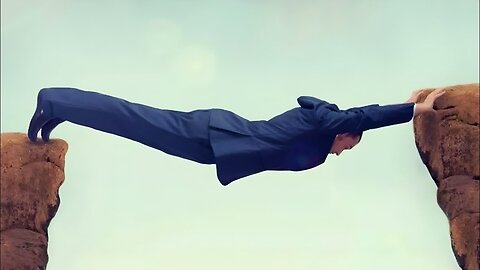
295	140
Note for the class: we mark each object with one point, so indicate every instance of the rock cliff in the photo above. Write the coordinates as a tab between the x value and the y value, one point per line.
448	143
31	175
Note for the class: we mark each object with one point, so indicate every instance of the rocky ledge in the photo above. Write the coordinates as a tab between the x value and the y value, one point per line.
448	143
31	174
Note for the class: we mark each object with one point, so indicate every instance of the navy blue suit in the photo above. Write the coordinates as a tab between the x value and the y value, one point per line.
295	140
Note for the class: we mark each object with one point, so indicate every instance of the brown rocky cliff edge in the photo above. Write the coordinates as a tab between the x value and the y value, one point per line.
448	143
31	174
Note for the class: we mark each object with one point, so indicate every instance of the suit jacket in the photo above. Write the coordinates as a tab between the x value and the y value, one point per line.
298	139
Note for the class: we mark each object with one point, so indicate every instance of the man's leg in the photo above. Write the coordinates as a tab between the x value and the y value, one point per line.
182	134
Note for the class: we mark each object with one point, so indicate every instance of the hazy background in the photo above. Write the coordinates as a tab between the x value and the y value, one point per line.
126	206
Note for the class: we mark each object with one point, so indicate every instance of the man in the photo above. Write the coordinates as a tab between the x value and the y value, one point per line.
296	140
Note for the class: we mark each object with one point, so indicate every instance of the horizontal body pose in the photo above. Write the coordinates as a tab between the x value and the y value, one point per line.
295	140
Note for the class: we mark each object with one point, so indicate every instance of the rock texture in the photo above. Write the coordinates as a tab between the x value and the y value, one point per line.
31	174
448	143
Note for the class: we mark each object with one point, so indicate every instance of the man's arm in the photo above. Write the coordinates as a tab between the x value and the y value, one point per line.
355	120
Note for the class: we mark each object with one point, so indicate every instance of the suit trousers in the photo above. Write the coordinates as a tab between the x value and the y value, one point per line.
181	134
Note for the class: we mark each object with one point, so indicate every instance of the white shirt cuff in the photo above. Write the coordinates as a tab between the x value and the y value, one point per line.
414	107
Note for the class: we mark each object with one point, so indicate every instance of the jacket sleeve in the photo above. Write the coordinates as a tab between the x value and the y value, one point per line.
331	120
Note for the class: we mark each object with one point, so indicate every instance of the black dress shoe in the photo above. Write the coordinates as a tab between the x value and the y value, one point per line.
39	118
48	127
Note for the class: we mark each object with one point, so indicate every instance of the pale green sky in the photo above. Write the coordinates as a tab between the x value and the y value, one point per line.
126	206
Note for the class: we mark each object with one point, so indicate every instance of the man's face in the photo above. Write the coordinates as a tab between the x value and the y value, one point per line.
342	142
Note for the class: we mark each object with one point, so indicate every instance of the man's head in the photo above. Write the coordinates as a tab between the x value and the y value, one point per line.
345	141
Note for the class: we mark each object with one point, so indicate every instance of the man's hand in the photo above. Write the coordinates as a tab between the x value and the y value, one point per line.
427	104
415	96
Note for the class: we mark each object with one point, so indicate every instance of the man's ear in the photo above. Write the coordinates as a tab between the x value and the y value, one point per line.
342	136
351	135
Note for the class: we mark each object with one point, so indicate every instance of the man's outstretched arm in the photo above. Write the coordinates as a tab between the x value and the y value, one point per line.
356	120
